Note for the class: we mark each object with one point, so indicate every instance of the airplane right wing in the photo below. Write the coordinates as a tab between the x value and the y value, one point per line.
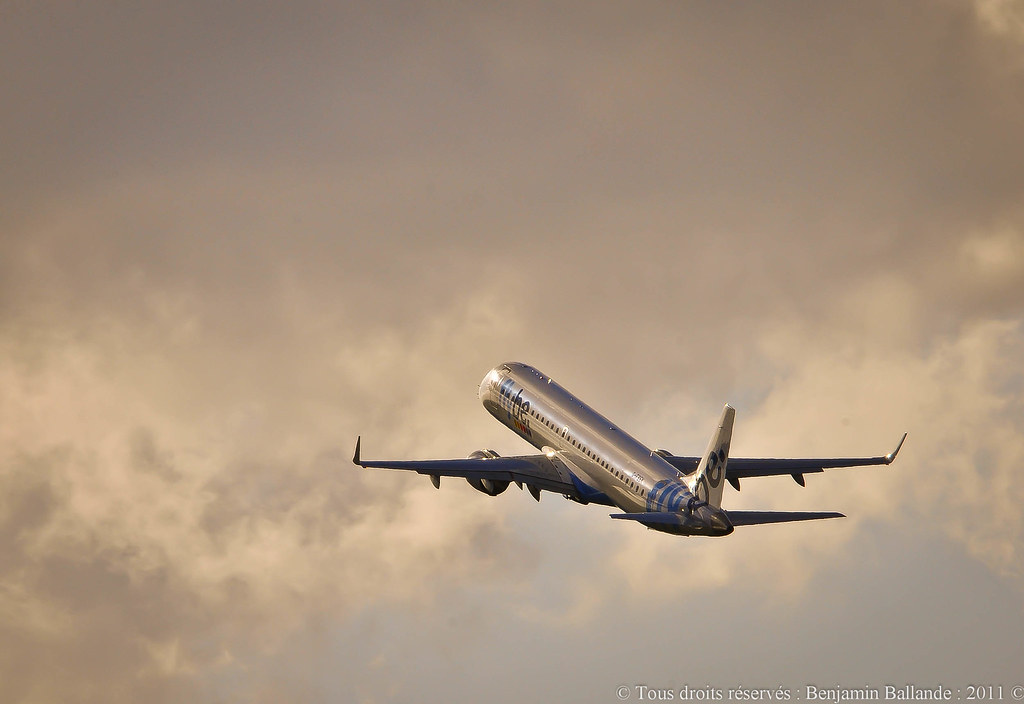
490	474
743	467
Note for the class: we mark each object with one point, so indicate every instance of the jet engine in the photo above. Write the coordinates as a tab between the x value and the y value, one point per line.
487	486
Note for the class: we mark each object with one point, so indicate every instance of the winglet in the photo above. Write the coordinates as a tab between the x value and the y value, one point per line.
355	457
892	455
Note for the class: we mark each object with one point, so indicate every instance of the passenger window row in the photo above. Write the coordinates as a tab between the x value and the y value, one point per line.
565	434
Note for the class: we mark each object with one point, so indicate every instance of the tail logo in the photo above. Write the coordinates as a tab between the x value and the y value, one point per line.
701	490
716	463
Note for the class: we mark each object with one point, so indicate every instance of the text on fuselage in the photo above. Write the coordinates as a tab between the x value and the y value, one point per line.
517	409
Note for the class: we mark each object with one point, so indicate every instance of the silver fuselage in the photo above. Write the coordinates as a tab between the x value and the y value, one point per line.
612	466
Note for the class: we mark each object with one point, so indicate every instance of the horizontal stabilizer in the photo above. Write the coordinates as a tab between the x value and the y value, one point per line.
737	518
664	517
753	518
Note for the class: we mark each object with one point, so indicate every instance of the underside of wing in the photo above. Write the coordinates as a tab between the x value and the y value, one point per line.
489	474
744	467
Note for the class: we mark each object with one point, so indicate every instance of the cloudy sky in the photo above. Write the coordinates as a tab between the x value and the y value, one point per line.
233	237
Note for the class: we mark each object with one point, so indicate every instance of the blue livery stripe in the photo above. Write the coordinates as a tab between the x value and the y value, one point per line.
667	495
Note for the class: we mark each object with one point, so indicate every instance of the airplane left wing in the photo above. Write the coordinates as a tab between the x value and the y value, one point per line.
490	475
742	467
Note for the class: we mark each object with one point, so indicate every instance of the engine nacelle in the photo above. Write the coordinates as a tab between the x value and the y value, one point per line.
490	487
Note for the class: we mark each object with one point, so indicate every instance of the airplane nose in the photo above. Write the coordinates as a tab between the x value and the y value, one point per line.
485	384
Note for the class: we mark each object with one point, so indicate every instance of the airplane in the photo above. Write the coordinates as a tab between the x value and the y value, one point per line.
590	460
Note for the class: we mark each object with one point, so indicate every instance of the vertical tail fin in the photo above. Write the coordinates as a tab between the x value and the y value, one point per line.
709	479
